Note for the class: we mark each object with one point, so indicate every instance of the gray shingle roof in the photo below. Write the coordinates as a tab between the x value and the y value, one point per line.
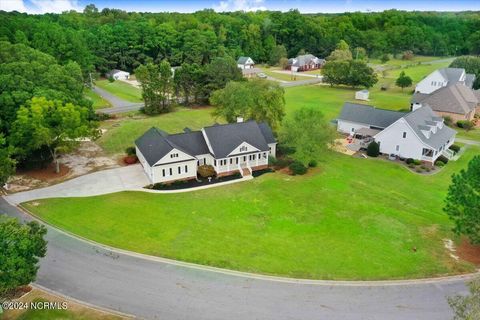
153	146
303	60
267	132
369	115
469	80
192	142
418	121
225	138
242	60
452	74
457	98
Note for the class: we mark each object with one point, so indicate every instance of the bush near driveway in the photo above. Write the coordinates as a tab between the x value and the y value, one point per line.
373	149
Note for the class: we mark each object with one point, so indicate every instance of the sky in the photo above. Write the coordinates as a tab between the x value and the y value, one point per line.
304	6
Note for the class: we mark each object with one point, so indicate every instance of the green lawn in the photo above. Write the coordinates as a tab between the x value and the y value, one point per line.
471	135
341	221
282	76
98	101
400	62
121	89
122	133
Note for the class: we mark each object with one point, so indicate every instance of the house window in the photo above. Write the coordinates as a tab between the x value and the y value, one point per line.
243	148
353	130
397	148
231	160
215	162
236	161
404	135
171	172
174	155
186	168
198	162
163	172
179	170
244	158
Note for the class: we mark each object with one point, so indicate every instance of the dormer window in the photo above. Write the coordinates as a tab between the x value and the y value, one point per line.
243	148
174	155
404	135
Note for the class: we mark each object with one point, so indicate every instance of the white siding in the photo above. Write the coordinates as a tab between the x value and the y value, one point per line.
161	173
144	163
243	148
391	137
273	149
347	126
432	82
174	155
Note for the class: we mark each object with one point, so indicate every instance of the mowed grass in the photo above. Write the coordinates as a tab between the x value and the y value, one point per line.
350	218
283	76
122	133
400	62
418	72
98	101
121	89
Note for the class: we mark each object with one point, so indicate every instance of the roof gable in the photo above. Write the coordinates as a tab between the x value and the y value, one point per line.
457	98
369	115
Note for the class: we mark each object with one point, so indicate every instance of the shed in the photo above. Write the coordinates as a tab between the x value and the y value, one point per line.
362	95
118	74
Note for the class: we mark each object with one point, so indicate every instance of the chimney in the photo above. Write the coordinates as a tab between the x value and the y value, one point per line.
239	119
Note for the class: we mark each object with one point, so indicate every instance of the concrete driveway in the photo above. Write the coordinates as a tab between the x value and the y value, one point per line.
97	183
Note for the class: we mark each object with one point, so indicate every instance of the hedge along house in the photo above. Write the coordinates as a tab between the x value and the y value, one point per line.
230	148
419	134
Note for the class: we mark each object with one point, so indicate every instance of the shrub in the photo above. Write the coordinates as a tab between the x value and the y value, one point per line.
448	120
411	165
272	160
443	159
110	79
423	167
385	58
427	169
439	163
407	55
297	168
206	171
100	116
455	148
417	162
312	163
130	159
409	161
283	162
373	149
131	151
465	124
284	149
419	170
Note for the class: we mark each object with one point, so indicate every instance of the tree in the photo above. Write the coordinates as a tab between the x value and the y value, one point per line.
157	84
407	55
385	57
50	124
462	203
277	54
351	73
283	63
21	245
373	149
257	99
188	81
403	80
219	72
308	132
341	53
7	164
467	307
471	64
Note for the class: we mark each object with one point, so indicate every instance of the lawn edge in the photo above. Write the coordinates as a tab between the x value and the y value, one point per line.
257	276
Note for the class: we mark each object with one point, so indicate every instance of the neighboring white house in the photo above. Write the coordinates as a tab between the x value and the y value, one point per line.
238	147
118	74
444	77
362	95
419	134
245	63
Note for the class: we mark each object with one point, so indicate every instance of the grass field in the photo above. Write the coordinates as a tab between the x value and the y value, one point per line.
121	89
282	76
340	221
400	62
122	133
98	102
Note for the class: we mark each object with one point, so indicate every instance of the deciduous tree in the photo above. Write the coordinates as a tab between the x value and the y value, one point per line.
403	80
463	201
21	245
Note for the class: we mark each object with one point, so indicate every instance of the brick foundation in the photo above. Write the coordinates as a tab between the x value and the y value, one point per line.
265	166
227	173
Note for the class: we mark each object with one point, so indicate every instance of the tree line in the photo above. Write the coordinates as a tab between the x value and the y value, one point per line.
111	38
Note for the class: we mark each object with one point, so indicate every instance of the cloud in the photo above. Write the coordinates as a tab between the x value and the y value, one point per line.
40	6
13	5
240	5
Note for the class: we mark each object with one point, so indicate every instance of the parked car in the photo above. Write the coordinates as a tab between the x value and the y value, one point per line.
262	75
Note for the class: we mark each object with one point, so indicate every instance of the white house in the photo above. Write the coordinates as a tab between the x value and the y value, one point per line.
304	63
419	134
118	74
237	147
362	95
444	77
245	63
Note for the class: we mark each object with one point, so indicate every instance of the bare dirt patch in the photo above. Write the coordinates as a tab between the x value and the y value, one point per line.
469	252
88	157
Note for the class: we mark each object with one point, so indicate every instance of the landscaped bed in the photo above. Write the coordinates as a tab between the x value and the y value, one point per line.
186	184
350	218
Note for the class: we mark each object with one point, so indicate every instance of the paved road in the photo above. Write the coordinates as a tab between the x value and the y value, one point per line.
96	183
118	105
155	289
